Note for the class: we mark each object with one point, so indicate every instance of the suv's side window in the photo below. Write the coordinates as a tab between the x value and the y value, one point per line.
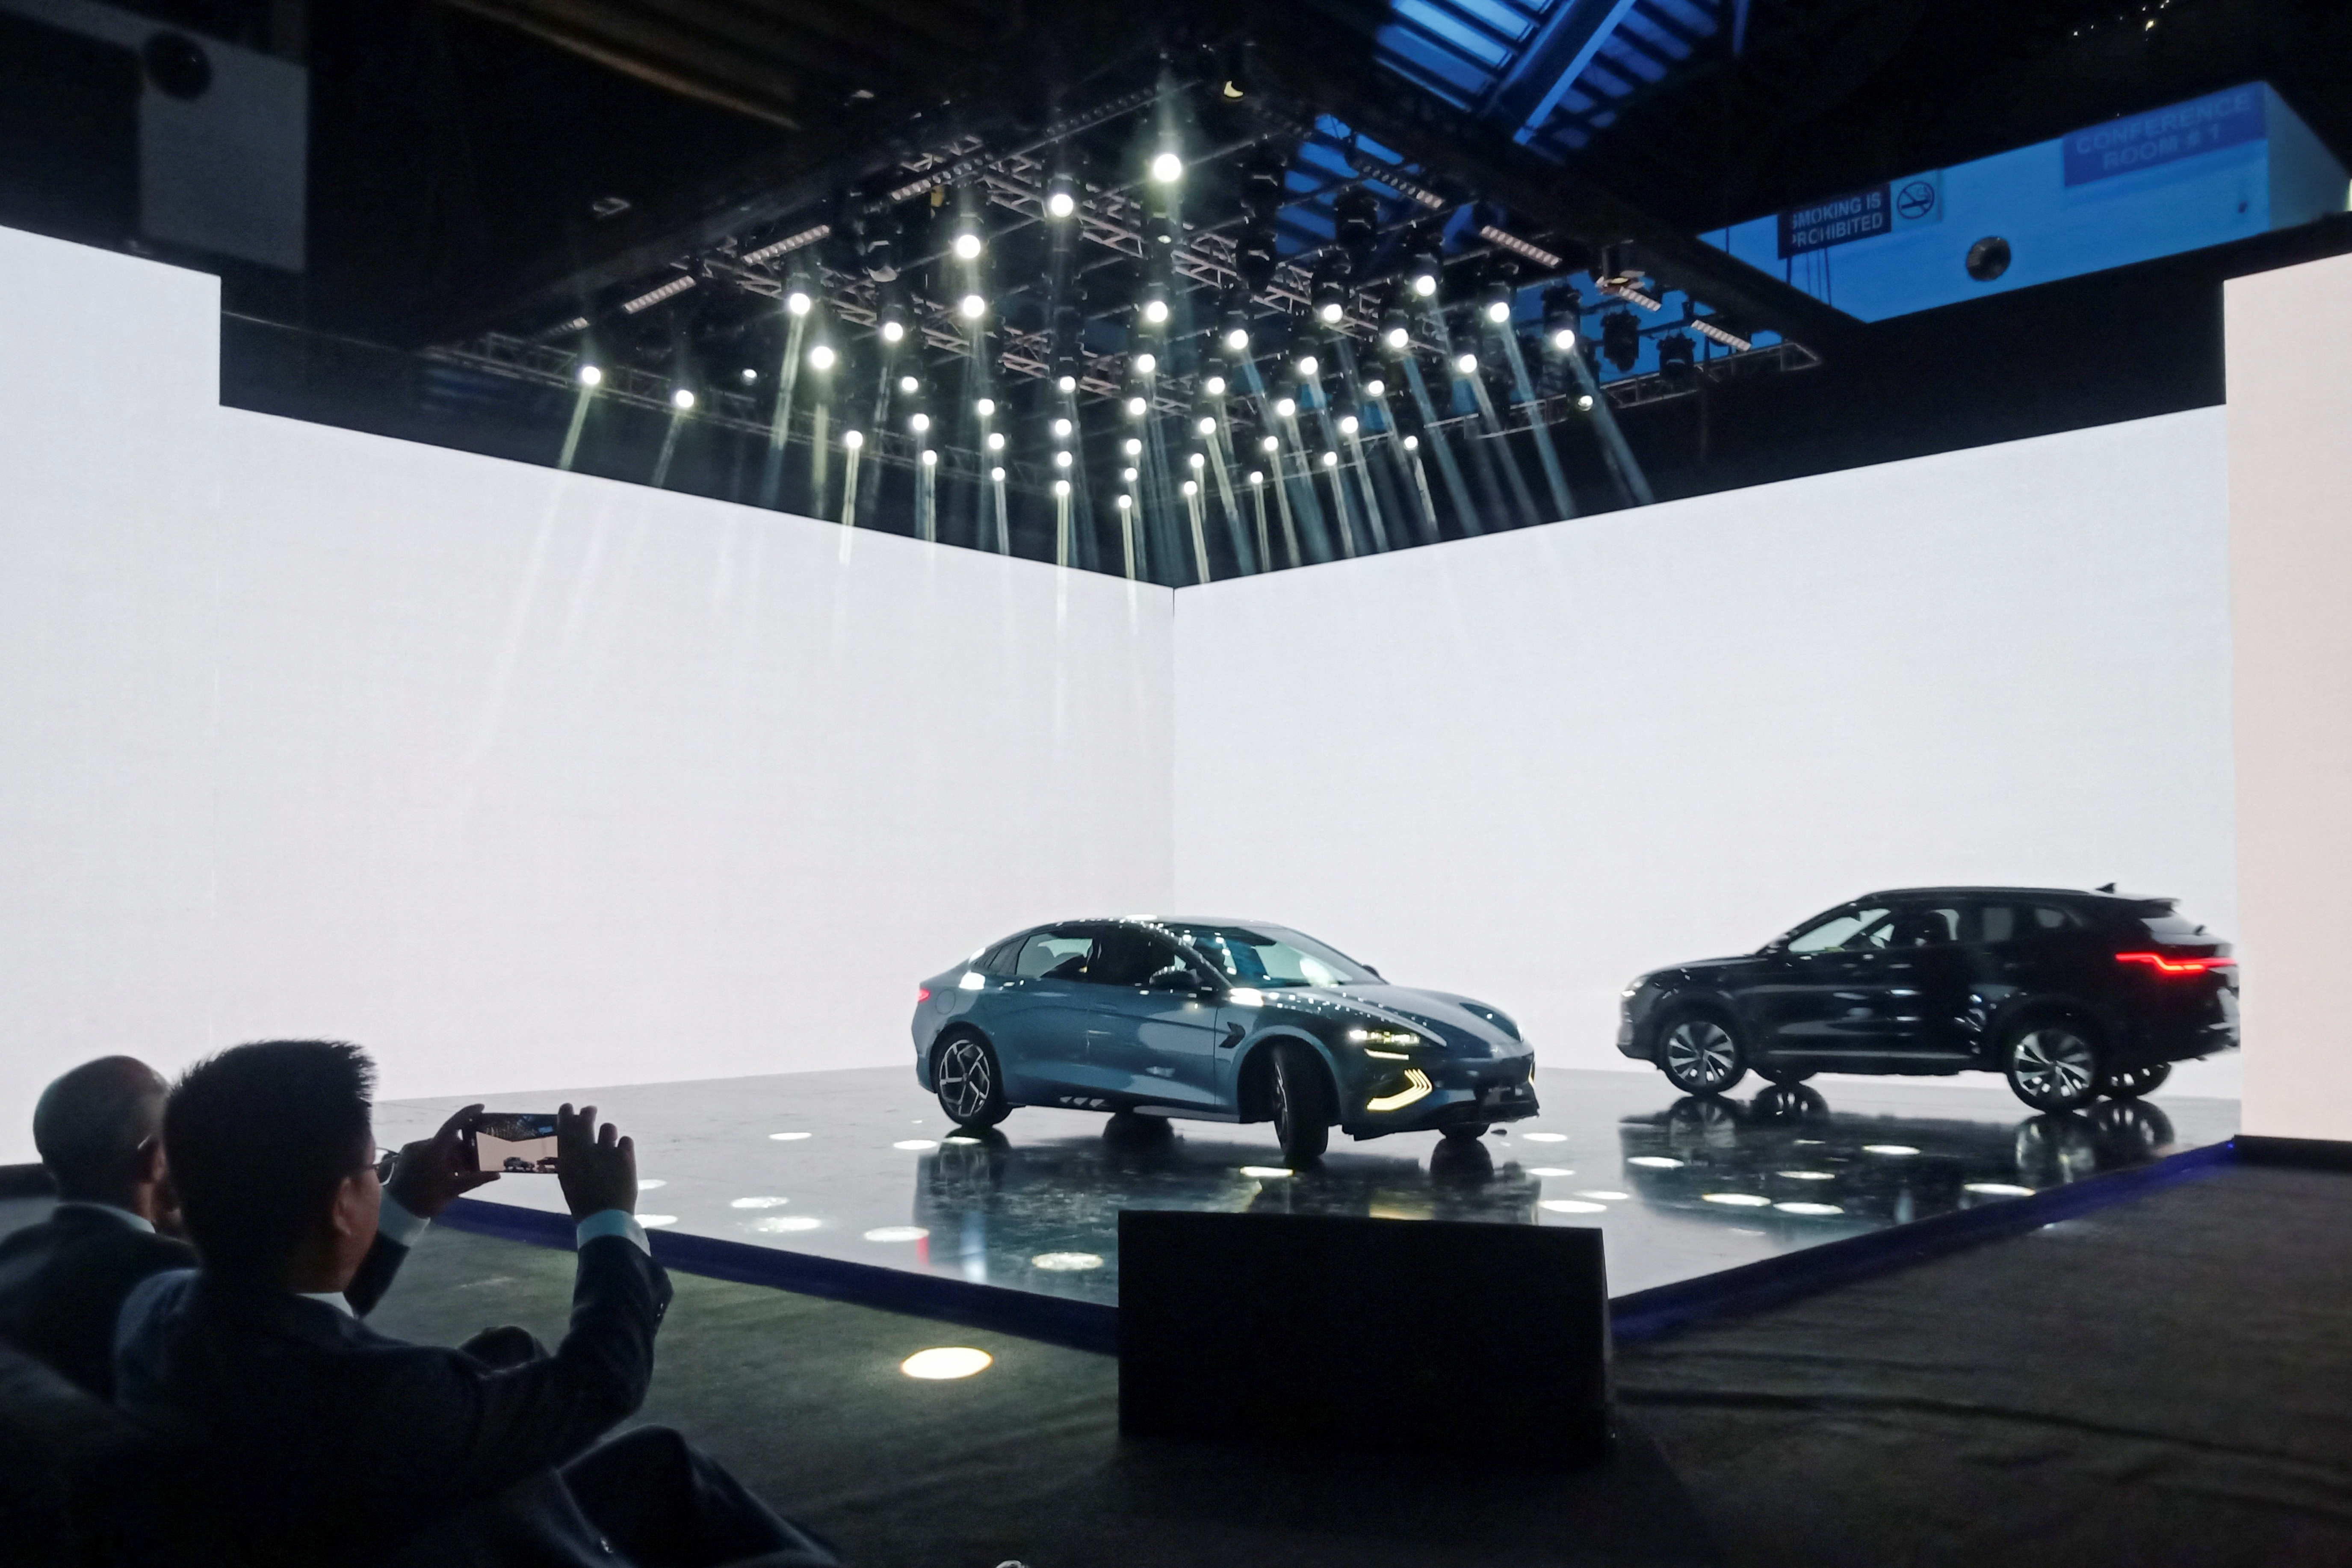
1845	931
1927	925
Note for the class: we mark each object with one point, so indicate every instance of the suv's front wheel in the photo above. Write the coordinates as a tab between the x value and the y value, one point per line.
2130	1083
2053	1064
1700	1055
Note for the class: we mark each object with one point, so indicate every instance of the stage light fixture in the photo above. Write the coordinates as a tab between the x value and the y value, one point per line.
1396	338
1677	357
1061	196
919	423
1132	446
1125	501
1136	407
1563	339
1498	312
1145	363
1424	281
971	308
1330	303
1466	364
1413	442
1347	425
1155	311
1237	339
1196	460
908	383
1271	444
1067	383
750	375
967	246
1307	365
1376	387
820	357
1167	168
798	302
1584	403
1061	487
1128	474
1256	478
681	400
1331	459
1061	430
1284	407
1620	339
1208	425
985	408
996	440
1495	302
1061	457
590	375
853	439
930	457
1215	386
892	331
996	474
1192	488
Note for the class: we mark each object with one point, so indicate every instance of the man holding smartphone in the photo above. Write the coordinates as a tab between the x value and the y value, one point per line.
324	1441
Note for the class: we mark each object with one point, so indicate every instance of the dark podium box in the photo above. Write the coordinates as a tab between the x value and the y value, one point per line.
1377	1335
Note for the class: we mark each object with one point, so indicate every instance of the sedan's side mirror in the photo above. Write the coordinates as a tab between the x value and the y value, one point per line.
1175	980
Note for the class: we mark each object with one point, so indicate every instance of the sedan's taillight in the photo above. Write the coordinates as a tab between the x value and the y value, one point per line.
922	994
2164	965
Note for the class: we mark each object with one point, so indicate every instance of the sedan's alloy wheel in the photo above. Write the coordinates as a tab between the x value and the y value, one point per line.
966	1082
2053	1068
1702	1056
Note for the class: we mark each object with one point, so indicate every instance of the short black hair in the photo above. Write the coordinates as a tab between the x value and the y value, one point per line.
258	1137
90	1122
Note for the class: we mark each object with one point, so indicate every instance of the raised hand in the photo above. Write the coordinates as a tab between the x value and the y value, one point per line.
430	1174
597	1166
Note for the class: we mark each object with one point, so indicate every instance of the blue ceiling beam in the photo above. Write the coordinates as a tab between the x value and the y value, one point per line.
1532	88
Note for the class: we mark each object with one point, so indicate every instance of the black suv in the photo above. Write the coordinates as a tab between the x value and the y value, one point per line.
2071	995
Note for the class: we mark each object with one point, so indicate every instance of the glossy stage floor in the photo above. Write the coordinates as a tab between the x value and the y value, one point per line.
859	1167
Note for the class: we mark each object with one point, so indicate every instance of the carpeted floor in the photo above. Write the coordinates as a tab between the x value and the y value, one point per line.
2166	1382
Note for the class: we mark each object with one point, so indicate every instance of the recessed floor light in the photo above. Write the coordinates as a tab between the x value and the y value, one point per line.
1545	1137
786	1137
915	1144
1065	1262
1888	1149
1549	1171
1571	1205
1808	1209
1655	1162
946	1360
653	1221
1264	1172
1737	1200
1998	1190
783	1224
1606	1196
647	1184
759	1203
1807	1175
896	1233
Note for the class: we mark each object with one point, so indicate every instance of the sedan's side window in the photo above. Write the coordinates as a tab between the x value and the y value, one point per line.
1847	931
1131	957
1054	956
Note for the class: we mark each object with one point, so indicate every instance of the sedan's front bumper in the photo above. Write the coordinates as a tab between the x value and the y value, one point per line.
1456	1094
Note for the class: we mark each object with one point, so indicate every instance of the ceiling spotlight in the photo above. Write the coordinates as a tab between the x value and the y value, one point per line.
1256	478
1155	311
590	375
1061	428
1331	459
1128	474
797	303
892	331
1330	310
1196	460
996	440
1208	425
971	308
967	245
1396	337
919	423
1308	364
1413	442
1498	310
1677	356
750	375
1271	444
1284	407
1237	339
1563	339
1213	386
1376	387
1167	168
1347	424
1145	364
1424	282
821	357
996	474
1125	501
1135	407
930	457
1061	487
1331	300
1132	446
1061	196
985	408
1061	457
1620	339
681	400
1067	384
852	439
1584	403
1466	364
908	383
1192	488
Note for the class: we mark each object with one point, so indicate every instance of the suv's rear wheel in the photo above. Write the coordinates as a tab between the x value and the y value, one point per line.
2053	1064
1701	1056
1301	1091
970	1090
2130	1083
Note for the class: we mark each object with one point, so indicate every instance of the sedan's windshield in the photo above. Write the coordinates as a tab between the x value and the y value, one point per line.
1269	955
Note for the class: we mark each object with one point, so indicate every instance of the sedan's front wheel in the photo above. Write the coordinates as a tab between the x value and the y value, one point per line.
970	1090
1699	1056
1302	1102
2051	1065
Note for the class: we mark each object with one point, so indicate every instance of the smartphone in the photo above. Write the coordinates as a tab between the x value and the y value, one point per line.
514	1142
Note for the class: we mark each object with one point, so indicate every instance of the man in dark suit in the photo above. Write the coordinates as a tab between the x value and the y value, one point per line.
327	1442
99	1132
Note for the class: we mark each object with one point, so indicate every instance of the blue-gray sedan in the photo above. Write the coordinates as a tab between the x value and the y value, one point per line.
1214	1020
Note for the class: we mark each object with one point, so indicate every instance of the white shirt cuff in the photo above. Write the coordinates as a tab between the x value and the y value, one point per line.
612	1222
396	1225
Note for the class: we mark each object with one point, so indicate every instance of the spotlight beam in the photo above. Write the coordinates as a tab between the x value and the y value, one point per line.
1496	452
1546	452
1621	461
1318	540
1221	458
780	426
1465	516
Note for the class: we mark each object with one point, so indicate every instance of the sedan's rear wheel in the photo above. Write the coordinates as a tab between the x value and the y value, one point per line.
970	1090
1774	1073
1302	1102
1700	1056
2130	1083
2051	1065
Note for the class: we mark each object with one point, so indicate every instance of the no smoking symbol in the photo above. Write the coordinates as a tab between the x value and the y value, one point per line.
1916	200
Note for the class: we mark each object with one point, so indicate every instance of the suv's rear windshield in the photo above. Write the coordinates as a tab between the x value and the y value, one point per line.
2172	928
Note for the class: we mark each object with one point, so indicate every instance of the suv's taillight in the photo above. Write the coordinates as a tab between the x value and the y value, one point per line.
2164	964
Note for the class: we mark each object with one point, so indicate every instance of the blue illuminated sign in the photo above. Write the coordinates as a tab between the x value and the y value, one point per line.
2183	131
1863	215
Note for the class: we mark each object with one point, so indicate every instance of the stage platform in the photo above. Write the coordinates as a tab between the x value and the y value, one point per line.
860	1189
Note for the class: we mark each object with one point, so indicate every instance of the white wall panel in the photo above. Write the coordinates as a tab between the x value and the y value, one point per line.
1530	765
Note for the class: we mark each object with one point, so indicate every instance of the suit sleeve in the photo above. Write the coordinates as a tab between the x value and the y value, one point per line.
460	1430
377	1270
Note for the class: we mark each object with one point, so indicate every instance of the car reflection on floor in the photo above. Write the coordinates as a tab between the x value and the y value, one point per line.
1046	1215
1786	1157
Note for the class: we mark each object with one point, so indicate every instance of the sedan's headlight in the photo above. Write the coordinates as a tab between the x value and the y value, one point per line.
1633	987
1384	1037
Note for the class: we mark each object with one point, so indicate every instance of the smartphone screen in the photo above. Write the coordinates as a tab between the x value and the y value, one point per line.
515	1143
